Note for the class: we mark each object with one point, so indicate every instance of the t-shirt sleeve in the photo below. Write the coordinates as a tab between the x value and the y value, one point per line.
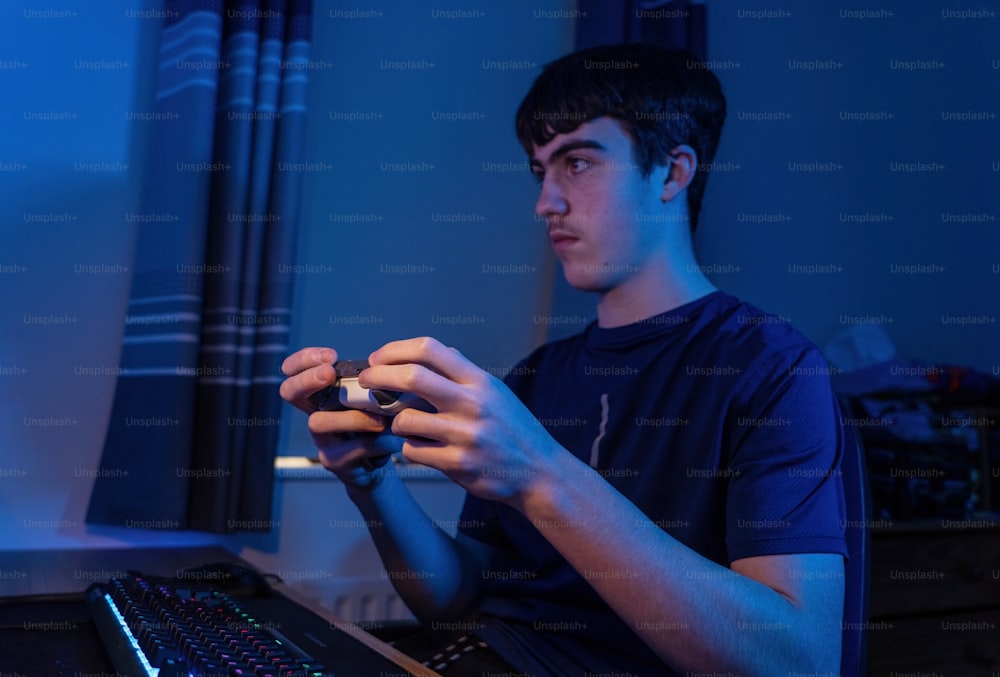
786	443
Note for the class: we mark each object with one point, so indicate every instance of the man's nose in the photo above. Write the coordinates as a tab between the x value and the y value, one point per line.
551	200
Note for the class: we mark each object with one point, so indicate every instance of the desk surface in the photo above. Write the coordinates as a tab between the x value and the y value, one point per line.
35	574
53	572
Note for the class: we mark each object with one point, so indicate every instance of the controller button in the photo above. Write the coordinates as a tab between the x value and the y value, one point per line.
385	397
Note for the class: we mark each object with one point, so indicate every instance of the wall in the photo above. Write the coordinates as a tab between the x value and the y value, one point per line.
858	171
856	177
418	214
75	81
70	162
387	233
417	220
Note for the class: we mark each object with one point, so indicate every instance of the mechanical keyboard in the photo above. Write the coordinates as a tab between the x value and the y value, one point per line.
175	627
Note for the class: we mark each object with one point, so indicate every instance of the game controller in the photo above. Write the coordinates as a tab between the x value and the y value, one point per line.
347	393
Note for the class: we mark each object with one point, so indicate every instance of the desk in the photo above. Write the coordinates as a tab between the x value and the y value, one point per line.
44	625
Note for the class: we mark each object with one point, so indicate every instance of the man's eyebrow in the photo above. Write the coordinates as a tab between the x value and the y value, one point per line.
569	147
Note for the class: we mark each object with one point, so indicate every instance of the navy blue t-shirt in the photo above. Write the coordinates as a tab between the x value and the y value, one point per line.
716	419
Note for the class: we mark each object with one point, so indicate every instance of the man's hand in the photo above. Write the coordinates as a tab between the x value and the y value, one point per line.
482	436
350	442
347	440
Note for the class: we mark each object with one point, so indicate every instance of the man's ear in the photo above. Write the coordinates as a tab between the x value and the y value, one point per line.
680	172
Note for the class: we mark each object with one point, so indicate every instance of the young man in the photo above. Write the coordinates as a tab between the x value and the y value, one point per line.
657	495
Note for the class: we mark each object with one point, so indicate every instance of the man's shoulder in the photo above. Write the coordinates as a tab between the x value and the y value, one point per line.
756	336
768	348
755	326
722	328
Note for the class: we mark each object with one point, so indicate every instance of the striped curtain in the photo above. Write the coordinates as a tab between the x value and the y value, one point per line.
194	425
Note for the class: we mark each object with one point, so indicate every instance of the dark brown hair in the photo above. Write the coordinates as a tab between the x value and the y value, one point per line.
663	98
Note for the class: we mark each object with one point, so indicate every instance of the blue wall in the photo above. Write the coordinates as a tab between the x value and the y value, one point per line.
418	218
899	111
75	81
399	250
818	208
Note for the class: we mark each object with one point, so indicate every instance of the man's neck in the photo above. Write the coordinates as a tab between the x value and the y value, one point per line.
661	287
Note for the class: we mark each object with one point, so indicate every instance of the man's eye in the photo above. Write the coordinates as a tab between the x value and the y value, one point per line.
577	164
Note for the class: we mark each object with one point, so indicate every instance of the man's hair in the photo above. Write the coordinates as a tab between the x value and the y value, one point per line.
663	98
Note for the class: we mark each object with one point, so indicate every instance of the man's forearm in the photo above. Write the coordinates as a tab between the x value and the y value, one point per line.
432	574
694	613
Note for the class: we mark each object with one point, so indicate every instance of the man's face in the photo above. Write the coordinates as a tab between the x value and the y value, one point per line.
604	218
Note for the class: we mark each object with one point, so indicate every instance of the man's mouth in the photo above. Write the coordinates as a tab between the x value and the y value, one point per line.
561	239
